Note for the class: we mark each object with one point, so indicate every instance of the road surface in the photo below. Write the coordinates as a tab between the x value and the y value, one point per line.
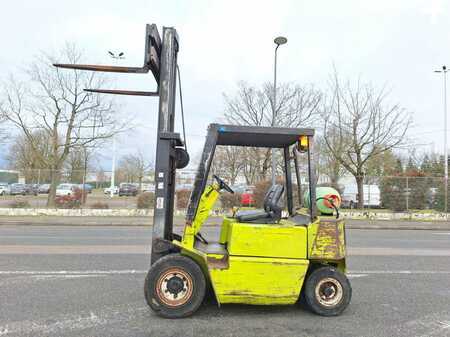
88	281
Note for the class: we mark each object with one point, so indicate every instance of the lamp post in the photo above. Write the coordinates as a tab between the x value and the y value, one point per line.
116	58
444	75
278	41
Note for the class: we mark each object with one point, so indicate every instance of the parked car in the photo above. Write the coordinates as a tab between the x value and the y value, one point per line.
247	198
44	188
88	188
128	189
108	190
66	189
18	189
4	189
372	196
32	189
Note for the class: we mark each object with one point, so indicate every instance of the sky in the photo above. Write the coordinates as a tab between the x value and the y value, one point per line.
394	44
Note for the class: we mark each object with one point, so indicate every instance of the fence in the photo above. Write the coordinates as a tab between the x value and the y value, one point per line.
394	193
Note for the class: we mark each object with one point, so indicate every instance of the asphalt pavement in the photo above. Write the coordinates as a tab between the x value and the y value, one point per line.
88	281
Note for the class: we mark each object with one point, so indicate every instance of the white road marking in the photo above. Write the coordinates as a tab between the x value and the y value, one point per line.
412	272
64	277
356	275
87	273
71	272
441	233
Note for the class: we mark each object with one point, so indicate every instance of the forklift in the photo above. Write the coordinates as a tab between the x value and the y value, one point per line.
261	257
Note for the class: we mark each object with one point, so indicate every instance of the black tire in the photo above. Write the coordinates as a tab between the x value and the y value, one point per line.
185	273
317	290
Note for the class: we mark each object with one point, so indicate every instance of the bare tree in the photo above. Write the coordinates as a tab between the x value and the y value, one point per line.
53	101
133	167
77	163
228	162
360	124
297	106
326	162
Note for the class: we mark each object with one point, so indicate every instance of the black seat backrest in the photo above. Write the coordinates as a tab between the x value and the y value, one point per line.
272	204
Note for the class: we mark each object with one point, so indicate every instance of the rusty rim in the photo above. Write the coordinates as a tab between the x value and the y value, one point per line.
174	287
329	292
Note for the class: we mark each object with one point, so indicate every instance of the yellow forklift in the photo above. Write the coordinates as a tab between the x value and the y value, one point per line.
262	257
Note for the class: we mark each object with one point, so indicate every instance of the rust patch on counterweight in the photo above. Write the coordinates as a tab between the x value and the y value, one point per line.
329	242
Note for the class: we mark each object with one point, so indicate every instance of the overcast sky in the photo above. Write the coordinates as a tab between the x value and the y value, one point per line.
394	43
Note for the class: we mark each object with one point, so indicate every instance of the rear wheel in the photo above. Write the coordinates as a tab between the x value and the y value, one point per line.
175	286
327	291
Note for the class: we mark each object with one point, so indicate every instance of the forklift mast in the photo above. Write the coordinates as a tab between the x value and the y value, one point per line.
161	59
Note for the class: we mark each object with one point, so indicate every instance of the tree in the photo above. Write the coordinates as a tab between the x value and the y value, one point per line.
392	188
297	106
133	167
77	164
22	157
228	162
366	123
327	163
417	185
381	164
100	178
52	101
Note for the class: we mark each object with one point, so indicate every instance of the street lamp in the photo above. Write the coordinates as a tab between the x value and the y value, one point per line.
278	41
116	58
444	75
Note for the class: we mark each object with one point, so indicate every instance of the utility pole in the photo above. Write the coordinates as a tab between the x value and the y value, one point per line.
278	41
116	58
444	75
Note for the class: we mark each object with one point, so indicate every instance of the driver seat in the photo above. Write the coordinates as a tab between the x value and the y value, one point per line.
272	208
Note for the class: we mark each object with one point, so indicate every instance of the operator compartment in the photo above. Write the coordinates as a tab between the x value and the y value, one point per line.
282	240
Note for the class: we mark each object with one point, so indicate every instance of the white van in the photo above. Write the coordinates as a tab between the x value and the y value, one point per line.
372	196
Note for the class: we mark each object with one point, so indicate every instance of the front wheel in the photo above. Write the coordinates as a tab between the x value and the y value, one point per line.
175	286
327	291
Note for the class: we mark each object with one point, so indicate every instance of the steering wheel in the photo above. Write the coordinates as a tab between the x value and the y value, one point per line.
223	185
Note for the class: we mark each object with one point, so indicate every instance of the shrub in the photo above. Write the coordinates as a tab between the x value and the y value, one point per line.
230	200
70	201
146	200
19	204
183	198
100	205
67	201
259	192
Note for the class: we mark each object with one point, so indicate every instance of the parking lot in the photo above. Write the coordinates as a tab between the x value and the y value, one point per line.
97	196
88	281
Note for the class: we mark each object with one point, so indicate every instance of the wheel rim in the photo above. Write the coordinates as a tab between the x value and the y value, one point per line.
174	287
329	292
